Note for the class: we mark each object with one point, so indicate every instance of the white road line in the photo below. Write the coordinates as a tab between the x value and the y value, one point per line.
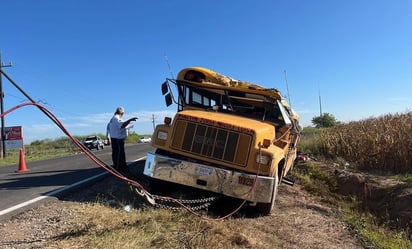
34	200
140	159
26	203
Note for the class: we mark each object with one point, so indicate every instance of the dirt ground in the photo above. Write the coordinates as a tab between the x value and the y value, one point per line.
299	221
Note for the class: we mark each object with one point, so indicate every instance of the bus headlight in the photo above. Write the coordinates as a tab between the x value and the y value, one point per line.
263	159
162	135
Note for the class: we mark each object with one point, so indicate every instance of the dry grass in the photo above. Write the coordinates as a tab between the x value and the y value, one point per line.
102	222
100	226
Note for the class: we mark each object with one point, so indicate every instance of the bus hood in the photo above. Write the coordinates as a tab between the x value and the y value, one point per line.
228	121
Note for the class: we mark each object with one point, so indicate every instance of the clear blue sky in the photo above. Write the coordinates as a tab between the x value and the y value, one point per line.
82	59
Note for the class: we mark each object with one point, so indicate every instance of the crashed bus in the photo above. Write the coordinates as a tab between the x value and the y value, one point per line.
230	137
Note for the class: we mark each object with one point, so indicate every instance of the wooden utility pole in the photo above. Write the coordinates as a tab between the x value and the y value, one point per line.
320	110
3	137
320	105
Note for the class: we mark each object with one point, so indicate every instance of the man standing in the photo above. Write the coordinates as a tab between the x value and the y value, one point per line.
116	135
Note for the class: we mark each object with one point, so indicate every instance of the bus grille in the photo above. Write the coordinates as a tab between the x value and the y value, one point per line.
212	142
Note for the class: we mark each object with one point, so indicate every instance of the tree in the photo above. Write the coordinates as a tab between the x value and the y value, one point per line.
326	120
132	137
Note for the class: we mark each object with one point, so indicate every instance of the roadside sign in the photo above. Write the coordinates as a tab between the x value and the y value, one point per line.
13	137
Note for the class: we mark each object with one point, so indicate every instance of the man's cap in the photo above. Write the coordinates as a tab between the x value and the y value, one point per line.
119	110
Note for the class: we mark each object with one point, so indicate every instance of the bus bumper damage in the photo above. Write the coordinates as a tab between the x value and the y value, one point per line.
231	183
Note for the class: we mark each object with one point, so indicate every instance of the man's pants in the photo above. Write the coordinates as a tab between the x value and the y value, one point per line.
118	154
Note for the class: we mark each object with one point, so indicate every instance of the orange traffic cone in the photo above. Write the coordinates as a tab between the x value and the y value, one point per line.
22	163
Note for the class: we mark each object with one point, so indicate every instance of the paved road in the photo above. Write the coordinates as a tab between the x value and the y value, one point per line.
51	177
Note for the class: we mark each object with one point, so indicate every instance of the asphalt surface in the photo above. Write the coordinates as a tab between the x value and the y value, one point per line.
49	178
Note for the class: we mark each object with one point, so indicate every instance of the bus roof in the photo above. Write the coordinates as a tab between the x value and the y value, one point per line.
203	77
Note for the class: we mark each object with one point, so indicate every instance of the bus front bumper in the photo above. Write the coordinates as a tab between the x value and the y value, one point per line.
228	182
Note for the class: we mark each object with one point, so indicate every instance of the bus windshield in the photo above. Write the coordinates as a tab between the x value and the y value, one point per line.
236	102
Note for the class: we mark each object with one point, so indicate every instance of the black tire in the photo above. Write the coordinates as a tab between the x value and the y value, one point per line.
160	187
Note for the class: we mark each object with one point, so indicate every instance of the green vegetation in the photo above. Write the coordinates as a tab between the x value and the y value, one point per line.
326	120
407	178
365	225
310	142
371	231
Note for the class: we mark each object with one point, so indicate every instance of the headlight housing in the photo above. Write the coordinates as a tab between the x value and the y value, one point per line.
263	159
162	135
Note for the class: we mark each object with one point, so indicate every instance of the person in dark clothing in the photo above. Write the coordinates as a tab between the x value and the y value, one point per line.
116	135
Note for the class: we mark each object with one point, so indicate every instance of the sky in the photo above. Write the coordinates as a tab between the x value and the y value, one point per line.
82	59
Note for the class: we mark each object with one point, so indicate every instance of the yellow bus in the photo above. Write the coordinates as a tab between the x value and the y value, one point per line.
229	137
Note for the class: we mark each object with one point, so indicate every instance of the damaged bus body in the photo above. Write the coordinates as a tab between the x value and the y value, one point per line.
229	137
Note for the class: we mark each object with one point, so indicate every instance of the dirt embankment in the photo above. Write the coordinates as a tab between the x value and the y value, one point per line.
386	197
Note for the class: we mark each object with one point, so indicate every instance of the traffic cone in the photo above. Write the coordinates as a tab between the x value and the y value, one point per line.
22	163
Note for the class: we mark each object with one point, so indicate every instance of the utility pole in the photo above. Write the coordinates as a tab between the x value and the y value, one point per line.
3	137
320	105
153	121
287	88
320	110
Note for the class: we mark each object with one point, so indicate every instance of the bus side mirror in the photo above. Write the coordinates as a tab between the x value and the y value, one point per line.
168	99
164	88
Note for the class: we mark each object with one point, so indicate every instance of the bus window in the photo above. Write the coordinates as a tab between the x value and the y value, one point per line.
196	98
